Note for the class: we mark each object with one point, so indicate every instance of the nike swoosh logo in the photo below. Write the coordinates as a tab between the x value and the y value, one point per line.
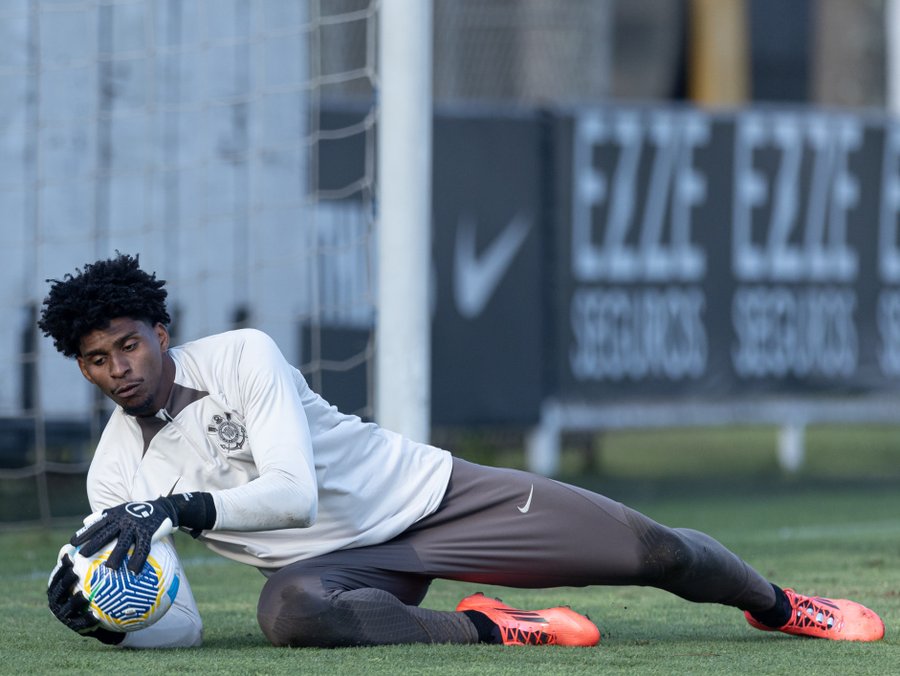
524	508
475	278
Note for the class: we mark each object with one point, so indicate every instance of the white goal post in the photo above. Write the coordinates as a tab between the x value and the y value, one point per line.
403	333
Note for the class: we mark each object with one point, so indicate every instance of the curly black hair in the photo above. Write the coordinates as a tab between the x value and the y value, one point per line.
90	299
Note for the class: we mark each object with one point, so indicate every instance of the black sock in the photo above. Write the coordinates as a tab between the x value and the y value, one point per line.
487	630
778	615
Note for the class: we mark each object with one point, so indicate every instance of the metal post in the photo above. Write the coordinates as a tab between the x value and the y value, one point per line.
791	446
403	324
892	61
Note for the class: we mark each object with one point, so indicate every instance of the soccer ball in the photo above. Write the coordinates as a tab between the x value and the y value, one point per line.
120	599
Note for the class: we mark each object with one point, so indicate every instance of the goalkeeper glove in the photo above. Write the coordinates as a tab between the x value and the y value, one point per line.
72	609
140	524
137	524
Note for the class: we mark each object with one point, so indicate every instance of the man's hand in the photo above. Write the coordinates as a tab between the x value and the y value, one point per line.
72	609
133	523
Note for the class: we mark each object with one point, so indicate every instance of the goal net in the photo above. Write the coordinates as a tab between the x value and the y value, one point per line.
197	134
231	144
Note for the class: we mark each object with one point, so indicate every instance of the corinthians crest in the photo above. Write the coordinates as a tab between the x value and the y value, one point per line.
232	435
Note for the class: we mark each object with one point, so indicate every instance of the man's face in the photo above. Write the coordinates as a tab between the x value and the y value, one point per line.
127	361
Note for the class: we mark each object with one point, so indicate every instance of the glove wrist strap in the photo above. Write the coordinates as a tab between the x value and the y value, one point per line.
195	511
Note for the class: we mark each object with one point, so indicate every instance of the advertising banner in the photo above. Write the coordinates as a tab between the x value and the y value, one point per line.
638	254
725	255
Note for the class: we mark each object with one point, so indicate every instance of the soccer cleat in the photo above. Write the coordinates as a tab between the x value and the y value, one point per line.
551	626
835	619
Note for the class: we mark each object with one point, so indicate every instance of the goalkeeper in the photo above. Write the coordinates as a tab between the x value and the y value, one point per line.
349	522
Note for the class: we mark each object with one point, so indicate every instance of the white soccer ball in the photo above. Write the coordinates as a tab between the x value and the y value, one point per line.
122	600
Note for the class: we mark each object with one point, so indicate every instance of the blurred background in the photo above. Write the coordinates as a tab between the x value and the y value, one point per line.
649	218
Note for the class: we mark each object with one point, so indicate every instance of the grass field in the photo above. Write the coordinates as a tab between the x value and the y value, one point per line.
833	530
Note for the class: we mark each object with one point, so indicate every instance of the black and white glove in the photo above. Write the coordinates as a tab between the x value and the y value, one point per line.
137	524
141	524
72	609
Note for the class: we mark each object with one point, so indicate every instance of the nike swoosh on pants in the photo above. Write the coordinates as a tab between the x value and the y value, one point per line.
524	508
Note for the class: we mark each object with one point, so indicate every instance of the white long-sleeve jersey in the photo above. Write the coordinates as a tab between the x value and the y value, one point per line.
291	476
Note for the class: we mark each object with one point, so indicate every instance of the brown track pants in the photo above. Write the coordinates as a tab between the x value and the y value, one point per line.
501	527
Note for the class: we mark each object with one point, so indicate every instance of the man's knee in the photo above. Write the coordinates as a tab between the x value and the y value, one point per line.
298	611
668	553
291	608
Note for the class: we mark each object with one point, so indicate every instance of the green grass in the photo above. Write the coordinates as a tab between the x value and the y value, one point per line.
833	530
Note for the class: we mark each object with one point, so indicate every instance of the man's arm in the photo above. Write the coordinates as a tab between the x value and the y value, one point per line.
285	495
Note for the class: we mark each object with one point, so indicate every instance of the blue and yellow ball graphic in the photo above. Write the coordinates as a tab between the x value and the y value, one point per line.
125	601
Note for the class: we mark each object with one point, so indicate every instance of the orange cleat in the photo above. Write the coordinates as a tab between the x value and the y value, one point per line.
835	619
551	626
